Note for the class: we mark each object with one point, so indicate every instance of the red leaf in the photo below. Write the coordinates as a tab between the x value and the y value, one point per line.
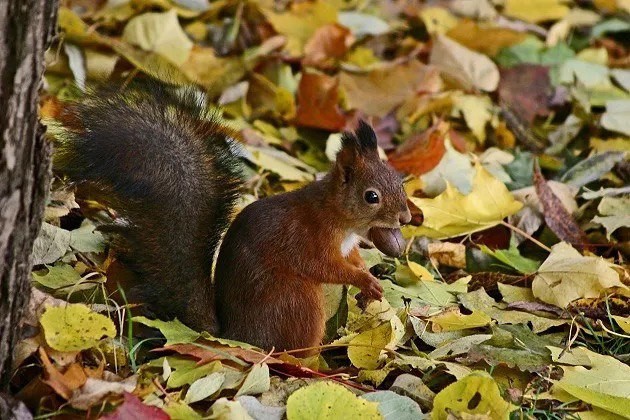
133	409
318	97
421	152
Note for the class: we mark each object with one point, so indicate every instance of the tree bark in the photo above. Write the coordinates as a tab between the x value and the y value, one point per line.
26	30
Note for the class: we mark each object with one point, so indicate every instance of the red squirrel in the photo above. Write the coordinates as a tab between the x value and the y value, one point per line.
168	168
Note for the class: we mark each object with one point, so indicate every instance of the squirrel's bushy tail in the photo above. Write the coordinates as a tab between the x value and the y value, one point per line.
164	163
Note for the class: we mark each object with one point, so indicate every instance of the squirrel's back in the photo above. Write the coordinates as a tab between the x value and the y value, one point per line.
165	164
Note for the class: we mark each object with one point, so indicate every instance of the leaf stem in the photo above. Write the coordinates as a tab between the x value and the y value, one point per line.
526	235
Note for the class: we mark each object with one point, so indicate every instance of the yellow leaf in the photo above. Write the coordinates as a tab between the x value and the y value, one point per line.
300	22
420	271
566	275
477	112
476	393
159	33
75	327
453	214
365	349
535	11
438	20
624	323
454	320
328	400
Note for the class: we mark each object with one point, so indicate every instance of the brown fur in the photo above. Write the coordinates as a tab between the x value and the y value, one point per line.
279	251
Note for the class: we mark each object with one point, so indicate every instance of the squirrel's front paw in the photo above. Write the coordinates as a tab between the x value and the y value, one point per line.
371	288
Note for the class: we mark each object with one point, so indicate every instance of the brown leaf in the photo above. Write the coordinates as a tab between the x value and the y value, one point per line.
448	253
328	44
62	383
318	97
207	355
526	89
556	216
421	152
380	91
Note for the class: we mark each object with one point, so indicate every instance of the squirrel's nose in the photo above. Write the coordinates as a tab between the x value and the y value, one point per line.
404	216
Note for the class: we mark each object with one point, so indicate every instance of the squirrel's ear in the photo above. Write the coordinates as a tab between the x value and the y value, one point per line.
367	137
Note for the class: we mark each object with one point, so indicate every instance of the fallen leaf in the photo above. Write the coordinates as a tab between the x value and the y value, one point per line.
606	384
95	391
477	112
479	300
513	258
52	243
363	24
133	408
204	387
65	383
420	152
617	116
447	253
592	168
615	213
329	400
526	89
256	381
317	102
57	276
476	393
466	67
483	38
566	276
454	169
174	331
300	22
379	91
437	20
393	406
454	320
327	46
159	33
365	349
453	214
535	11
75	327
558	219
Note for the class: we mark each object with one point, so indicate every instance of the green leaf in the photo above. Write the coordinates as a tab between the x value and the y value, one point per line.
513	258
51	244
75	327
615	213
617	116
605	384
174	331
592	168
395	407
181	411
58	276
477	393
204	387
86	239
257	381
329	400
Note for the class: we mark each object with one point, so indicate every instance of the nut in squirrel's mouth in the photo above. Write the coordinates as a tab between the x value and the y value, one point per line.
387	240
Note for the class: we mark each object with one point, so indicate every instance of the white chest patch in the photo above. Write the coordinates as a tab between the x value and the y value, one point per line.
349	242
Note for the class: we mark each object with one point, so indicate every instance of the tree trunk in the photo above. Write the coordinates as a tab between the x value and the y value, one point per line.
26	30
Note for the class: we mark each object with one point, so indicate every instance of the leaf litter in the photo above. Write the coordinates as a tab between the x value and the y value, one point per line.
509	121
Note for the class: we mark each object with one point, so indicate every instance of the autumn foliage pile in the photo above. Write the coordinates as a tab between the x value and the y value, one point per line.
511	122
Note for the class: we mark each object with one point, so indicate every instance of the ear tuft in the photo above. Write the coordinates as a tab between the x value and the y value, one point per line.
363	140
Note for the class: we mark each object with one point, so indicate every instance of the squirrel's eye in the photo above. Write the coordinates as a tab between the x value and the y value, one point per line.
371	197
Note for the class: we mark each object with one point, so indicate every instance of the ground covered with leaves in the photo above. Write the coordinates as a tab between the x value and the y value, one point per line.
511	122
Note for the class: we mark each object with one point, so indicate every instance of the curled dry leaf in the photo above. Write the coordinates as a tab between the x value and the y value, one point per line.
327	45
556	216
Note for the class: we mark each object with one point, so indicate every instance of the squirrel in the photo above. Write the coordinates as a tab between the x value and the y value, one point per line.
170	170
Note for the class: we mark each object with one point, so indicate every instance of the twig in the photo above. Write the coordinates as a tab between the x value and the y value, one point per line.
526	235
